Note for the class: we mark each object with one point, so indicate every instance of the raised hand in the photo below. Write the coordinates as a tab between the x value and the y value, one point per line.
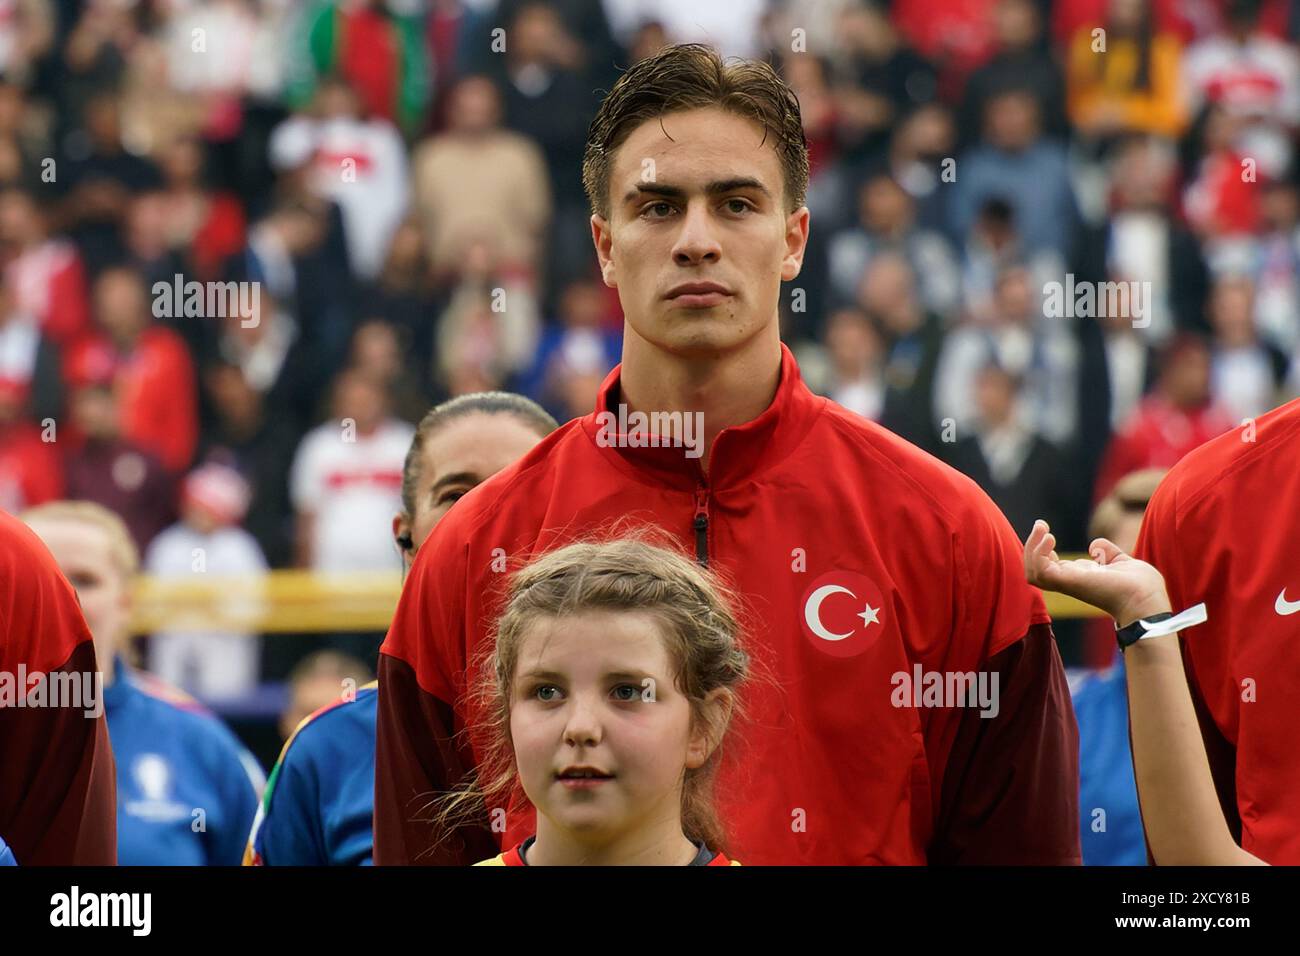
1122	586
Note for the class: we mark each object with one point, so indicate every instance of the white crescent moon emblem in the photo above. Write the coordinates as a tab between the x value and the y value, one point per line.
812	612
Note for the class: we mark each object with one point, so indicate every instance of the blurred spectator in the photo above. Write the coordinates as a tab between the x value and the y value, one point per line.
379	350
1021	60
205	225
550	100
1277	267
1254	78
479	179
275	359
101	179
913	342
957	37
488	334
151	368
45	273
1015	162
1176	417
850	370
921	143
25	150
1131	83
220	51
355	160
1039	350
579	344
30	471
207	541
29	361
886	220
1141	240
247	435
992	246
1222	200
1129	366
406	297
26	34
1020	470
1246	373
375	46
346	479
320	679
110	470
881	81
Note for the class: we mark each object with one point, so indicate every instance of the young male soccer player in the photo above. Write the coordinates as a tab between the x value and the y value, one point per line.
823	521
1223	528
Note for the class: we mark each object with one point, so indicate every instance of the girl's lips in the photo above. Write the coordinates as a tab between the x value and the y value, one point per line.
584	783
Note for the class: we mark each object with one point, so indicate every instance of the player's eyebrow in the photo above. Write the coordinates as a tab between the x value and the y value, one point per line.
455	478
714	188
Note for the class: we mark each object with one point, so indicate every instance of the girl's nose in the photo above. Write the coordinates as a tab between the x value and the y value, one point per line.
583	727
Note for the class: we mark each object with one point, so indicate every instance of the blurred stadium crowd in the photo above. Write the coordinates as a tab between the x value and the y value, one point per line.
401	181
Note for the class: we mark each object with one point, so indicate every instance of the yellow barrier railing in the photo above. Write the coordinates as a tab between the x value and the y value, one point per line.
313	602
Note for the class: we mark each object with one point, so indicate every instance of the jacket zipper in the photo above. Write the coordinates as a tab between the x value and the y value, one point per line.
701	525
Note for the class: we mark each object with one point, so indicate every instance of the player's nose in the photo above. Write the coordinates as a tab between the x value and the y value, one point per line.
698	239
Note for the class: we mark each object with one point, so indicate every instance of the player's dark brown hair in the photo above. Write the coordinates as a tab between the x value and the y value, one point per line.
697	624
693	76
484	403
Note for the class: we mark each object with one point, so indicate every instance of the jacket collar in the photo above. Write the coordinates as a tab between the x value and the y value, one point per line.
738	452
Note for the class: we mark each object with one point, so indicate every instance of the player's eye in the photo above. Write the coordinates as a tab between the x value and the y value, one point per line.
451	497
738	206
625	693
652	210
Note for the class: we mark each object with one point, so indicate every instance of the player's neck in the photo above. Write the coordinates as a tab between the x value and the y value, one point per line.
729	390
659	844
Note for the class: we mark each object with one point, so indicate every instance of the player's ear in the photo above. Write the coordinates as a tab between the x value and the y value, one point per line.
603	240
796	241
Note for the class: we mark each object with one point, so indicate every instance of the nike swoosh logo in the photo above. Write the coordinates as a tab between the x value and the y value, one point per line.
1285	607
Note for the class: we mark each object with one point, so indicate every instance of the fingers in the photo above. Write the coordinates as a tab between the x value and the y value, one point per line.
1104	551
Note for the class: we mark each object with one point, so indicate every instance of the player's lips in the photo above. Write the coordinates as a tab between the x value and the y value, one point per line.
698	295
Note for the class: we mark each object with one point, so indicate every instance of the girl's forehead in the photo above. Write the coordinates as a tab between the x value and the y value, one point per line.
594	640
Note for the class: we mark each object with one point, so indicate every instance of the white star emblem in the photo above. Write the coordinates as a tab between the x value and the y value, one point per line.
868	615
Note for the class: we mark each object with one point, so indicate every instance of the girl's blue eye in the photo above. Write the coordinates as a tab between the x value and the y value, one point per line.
626	692
547	693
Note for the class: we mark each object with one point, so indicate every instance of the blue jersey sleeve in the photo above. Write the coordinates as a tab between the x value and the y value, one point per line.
286	831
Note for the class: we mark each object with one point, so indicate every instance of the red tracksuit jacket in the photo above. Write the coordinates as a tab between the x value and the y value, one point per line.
1222	528
58	786
860	557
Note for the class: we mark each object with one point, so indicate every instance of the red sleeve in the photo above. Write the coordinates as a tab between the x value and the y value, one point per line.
417	754
1009	790
58	789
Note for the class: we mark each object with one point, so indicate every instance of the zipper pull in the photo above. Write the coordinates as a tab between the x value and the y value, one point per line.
701	525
